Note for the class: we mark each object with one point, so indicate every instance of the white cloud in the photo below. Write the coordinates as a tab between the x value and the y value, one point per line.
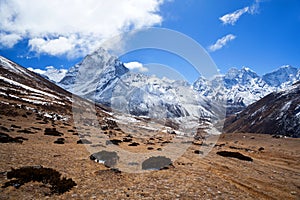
57	46
221	42
9	40
233	17
71	27
136	65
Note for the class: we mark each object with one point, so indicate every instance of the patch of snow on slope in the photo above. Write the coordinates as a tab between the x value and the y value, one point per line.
14	68
27	87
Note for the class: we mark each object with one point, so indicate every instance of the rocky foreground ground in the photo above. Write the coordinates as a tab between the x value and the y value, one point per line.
271	170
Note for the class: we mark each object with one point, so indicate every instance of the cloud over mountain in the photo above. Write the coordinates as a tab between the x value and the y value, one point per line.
72	28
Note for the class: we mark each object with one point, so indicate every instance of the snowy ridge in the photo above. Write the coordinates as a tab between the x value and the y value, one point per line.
51	73
282	77
244	87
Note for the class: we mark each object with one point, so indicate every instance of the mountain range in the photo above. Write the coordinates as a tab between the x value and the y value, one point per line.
104	79
101	73
244	87
241	87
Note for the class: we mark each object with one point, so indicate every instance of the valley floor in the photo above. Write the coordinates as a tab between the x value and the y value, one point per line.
274	172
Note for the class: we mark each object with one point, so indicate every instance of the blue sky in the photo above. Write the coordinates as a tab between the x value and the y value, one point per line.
260	34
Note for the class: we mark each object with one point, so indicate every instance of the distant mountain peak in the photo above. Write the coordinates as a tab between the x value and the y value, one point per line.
282	75
93	65
50	73
246	69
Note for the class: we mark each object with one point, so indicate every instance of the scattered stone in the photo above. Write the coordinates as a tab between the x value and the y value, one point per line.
15	126
165	142
59	141
234	155
156	163
150	148
5	138
198	152
172	132
113	141
261	149
116	170
109	159
52	132
104	127
84	141
134	144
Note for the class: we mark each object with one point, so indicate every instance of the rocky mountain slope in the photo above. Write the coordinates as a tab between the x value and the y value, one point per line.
244	87
104	79
101	73
95	77
277	113
21	87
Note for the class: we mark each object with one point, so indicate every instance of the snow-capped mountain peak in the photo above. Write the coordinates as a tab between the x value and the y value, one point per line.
243	87
98	72
281	76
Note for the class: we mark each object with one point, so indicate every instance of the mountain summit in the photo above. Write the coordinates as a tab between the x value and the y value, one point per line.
285	75
244	87
98	72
